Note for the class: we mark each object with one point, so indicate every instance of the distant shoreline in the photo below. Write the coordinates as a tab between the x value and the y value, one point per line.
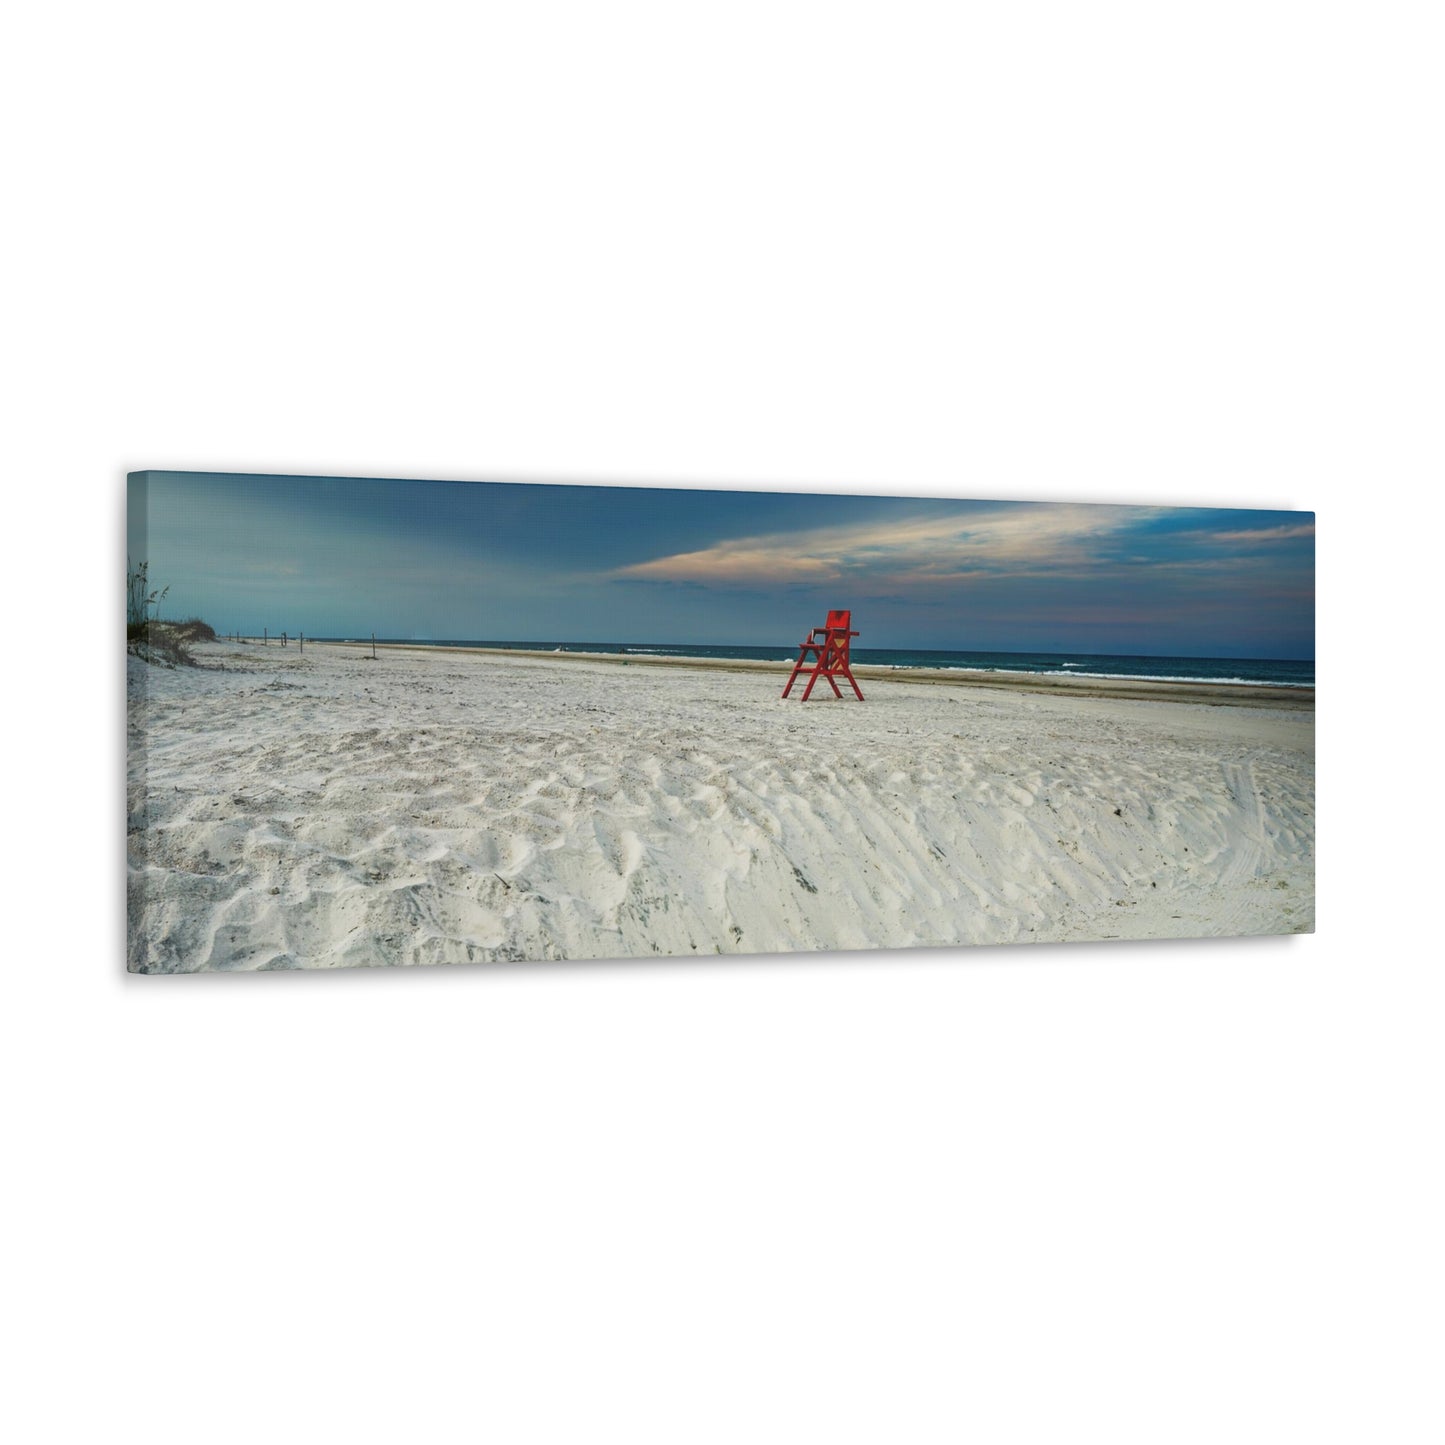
1230	694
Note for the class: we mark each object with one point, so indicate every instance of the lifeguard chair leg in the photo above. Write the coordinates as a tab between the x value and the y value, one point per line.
798	666
817	673
852	682
840	660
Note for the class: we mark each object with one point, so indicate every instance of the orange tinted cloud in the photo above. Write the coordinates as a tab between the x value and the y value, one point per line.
1020	538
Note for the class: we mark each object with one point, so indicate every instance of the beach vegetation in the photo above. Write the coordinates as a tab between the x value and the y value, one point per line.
168	643
146	635
140	596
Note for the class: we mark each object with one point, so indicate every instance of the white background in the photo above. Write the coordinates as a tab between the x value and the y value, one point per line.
1113	252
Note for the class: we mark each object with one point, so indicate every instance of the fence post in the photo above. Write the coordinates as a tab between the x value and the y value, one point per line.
373	647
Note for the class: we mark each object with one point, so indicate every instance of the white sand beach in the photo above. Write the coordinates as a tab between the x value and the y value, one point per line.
327	809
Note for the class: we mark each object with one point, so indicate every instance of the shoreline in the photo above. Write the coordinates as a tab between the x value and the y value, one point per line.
1219	694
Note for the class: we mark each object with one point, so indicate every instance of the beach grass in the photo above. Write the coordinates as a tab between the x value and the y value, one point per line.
167	643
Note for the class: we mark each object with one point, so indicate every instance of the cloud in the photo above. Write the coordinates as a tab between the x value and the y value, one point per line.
1285	532
1015	538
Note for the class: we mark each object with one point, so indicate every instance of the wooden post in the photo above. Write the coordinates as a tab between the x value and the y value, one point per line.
373	647
265	636
302	637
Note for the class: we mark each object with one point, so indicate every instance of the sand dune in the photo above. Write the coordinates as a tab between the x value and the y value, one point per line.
325	810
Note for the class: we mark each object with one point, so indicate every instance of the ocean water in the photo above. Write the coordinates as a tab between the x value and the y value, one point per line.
1260	671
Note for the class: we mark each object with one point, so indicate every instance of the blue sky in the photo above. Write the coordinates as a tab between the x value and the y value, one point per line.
531	562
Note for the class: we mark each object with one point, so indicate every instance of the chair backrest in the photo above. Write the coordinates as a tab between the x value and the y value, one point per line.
839	621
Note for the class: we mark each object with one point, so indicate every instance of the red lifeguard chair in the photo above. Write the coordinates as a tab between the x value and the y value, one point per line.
828	647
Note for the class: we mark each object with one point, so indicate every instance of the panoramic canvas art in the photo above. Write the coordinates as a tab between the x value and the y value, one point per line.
381	722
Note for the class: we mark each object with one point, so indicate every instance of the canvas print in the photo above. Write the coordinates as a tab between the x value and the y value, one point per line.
378	722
